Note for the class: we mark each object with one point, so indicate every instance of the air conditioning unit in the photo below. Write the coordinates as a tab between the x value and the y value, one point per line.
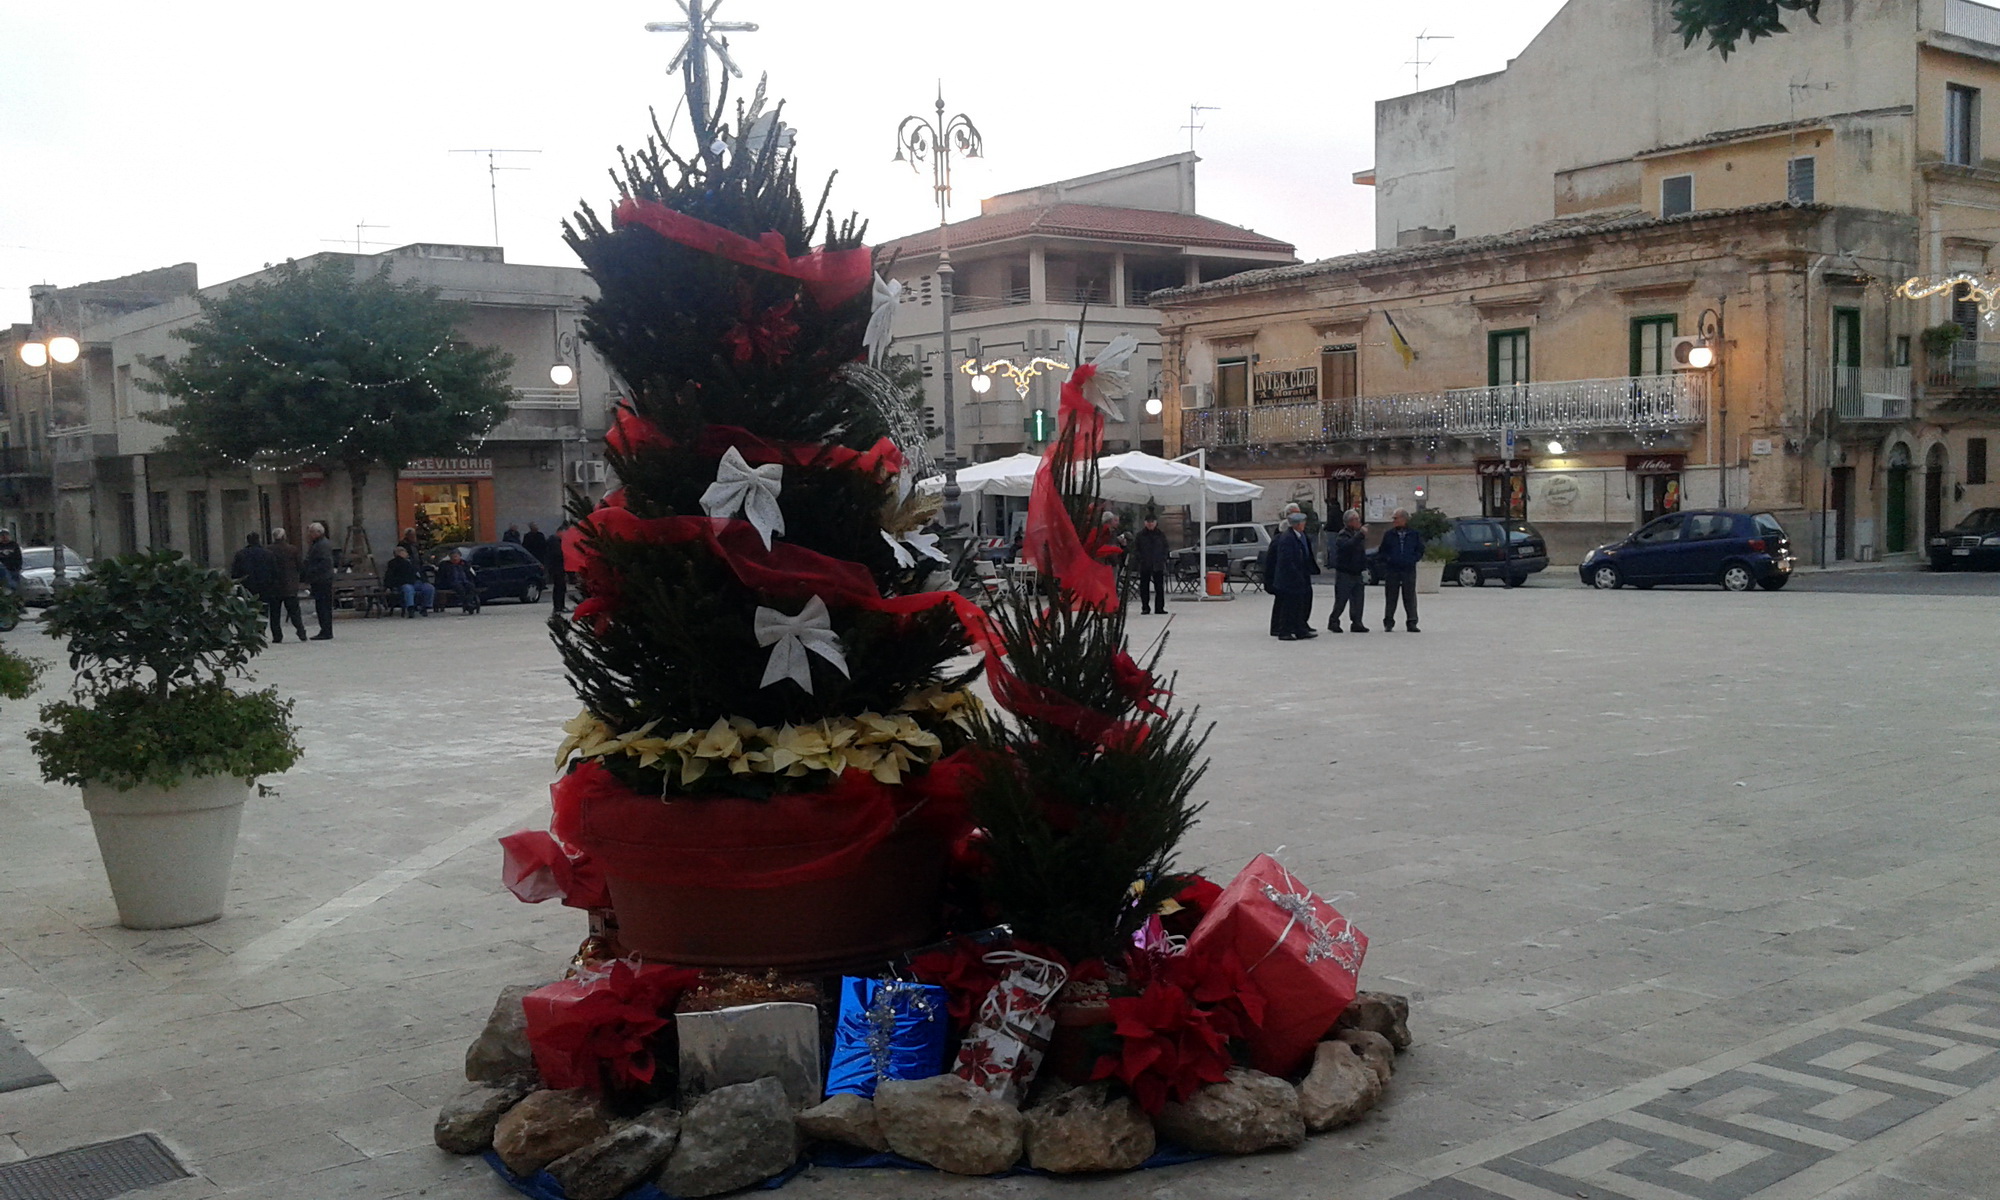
1681	353
588	470
1197	395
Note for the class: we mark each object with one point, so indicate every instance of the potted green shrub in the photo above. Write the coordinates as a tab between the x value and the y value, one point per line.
165	750
1432	525
17	673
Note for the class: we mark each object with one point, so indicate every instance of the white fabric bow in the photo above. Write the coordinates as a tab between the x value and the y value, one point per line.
925	544
1112	375
888	293
752	491
792	638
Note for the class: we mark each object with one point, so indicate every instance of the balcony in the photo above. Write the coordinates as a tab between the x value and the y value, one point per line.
1652	402
1975	22
546	399
1970	365
1869	393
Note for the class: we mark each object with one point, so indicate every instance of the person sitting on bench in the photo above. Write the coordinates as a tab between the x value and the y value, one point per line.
456	576
402	579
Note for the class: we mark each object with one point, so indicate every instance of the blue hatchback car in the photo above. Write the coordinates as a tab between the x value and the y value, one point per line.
1737	550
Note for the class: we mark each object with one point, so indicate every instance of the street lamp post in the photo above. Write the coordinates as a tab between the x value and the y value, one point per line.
918	138
60	349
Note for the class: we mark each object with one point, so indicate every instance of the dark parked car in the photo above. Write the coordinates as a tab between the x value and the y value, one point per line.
1485	548
1737	550
1973	542
504	569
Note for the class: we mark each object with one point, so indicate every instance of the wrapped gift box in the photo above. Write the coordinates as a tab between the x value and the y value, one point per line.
1302	956
888	1029
1004	1048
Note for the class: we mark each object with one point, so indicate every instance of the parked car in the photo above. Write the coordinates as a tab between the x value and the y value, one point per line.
1735	549
1483	548
1239	549
38	573
504	569
1973	542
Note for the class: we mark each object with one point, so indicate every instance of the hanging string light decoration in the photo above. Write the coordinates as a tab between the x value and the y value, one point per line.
1979	289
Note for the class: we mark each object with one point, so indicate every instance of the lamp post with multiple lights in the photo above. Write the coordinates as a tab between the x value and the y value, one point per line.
59	350
919	138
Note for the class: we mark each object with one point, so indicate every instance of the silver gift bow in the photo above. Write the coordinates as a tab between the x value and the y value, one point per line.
792	638
1321	941
752	491
881	1018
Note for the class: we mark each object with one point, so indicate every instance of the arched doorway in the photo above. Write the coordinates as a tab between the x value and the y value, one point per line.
1934	468
1896	502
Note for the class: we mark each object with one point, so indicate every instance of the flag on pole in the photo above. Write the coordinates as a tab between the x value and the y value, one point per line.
1401	343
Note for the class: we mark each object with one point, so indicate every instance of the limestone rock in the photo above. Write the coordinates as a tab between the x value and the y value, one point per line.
465	1123
748	1043
621	1159
1379	1012
731	1138
546	1126
1248	1112
1088	1129
950	1124
500	1053
1374	1050
1339	1089
847	1119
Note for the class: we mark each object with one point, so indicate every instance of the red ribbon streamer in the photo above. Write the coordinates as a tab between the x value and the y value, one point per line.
833	277
536	867
631	432
1051	542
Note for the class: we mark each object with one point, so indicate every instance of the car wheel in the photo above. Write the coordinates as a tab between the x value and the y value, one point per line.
1606	577
531	594
1774	582
1737	578
1469	577
1514	581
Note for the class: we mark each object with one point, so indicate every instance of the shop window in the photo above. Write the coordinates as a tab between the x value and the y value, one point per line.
1800	179
1653	344
1975	460
1232	383
1507	358
1676	195
1339	376
442	512
1961	125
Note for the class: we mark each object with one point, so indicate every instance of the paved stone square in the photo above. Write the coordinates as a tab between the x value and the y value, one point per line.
1692	892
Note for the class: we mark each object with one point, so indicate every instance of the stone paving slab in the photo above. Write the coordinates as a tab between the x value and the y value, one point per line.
1611	844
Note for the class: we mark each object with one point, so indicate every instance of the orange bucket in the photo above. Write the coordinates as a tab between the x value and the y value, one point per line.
1215	583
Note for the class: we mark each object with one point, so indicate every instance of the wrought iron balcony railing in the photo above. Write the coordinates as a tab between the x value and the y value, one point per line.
1869	393
1648	402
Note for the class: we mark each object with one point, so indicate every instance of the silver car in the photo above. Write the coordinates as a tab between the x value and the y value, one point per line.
38	573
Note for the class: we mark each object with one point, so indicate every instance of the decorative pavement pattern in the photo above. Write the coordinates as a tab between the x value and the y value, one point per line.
1785	1121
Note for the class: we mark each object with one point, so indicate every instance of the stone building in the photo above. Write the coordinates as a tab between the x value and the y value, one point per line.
1549	234
90	466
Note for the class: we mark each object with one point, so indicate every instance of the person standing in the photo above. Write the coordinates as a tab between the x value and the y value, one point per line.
1292	571
284	601
10	560
317	571
1347	554
1149	549
1401	550
513	535
1264	564
552	562
535	541
254	570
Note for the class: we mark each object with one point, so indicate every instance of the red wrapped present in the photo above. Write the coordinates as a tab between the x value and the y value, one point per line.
598	1029
1302	956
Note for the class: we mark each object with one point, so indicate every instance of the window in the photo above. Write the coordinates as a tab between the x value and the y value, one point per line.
1903	350
1961	125
1507	357
1234	513
1799	173
1232	383
1965	310
1975	460
1338	377
1676	195
123	386
1244	537
1667	529
1653	344
1710	525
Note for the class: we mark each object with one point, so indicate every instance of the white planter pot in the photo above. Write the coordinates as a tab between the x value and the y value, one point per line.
1430	577
168	851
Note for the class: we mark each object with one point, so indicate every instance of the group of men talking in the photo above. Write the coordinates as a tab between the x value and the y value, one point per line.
1290	566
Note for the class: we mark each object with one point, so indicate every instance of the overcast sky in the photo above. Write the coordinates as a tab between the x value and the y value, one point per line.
139	134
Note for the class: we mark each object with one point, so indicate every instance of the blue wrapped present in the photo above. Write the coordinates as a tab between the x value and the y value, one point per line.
888	1029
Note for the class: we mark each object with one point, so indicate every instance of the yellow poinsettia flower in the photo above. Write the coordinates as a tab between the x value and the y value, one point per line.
583	730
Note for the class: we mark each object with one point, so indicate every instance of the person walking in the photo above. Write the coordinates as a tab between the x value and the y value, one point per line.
1292	571
317	570
402	578
10	561
1402	548
284	601
1347	555
535	541
1149	550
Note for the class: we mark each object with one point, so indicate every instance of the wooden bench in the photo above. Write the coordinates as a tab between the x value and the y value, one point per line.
364	594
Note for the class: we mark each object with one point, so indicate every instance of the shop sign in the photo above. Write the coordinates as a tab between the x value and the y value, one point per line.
312	478
1489	468
1761	446
447	468
1654	464
1347	472
1302	384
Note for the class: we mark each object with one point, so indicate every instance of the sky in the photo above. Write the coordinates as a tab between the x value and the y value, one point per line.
136	135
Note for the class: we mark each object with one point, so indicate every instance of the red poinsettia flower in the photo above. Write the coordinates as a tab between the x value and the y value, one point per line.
1174	1033
1136	683
765	335
605	1035
1192	896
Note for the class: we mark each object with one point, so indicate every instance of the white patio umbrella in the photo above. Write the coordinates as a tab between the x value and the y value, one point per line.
1137	477
1010	476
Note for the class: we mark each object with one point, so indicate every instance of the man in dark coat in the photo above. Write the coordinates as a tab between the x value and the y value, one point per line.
317	571
1347	554
535	541
284	600
402	579
456	576
1290	581
10	560
254	569
1149	550
1401	550
552	562
513	535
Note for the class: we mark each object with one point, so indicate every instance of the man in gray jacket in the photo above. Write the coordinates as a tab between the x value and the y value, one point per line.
1347	554
317	570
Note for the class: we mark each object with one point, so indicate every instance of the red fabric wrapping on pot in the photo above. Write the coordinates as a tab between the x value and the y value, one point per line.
1302	956
589	1032
727	841
536	867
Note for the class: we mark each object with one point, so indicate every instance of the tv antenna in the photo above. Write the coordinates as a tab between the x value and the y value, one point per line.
358	243
703	39
493	169
1419	62
1195	124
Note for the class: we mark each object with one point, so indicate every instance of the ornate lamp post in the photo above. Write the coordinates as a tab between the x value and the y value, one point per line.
919	138
46	354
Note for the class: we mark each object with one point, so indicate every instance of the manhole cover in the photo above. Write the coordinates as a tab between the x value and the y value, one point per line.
95	1172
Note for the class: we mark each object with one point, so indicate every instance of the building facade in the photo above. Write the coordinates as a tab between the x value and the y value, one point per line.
92	470
1548	234
1026	271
